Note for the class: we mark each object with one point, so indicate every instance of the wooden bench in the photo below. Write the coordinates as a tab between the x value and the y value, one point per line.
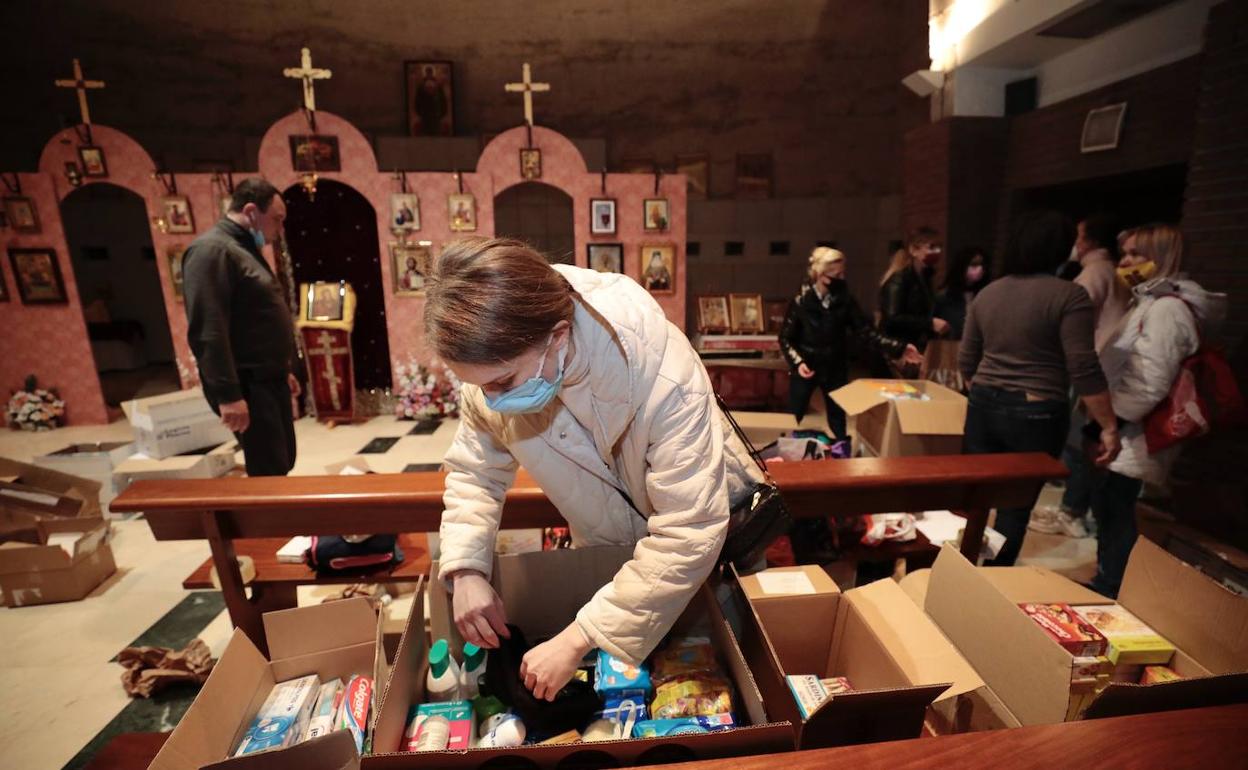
225	511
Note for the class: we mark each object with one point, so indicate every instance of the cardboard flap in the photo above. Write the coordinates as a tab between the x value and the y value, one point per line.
45	502
1193	612
858	396
335	751
1037	584
66	484
403	682
1118	700
981	621
914	584
301	631
915	644
18	558
536	586
933	418
866	715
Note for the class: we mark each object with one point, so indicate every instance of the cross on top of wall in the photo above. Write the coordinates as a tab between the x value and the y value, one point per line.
307	74
81	85
528	88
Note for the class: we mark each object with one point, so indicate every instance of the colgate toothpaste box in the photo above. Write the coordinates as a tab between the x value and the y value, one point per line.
356	705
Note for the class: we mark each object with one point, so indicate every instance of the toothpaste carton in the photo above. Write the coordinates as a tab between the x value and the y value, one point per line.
1131	641
1067	628
283	718
457	712
659	728
614	677
328	703
357	699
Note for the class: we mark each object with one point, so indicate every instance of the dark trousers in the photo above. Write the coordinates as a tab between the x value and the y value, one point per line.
1113	505
269	441
999	420
1077	497
826	380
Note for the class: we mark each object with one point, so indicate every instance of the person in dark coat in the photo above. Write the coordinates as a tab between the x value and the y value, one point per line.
967	274
907	298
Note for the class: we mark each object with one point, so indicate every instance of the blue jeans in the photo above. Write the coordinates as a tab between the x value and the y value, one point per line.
999	420
1077	498
1113	505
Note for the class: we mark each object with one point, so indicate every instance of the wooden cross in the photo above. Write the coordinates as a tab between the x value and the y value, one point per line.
307	74
330	375
82	86
528	88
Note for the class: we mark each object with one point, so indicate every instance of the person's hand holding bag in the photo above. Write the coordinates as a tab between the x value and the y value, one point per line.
478	611
549	666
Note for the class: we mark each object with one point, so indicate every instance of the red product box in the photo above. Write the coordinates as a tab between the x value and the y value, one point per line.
1067	628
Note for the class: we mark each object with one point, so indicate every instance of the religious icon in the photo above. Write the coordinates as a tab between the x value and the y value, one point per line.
530	163
92	161
697	171
658	271
404	212
325	300
656	213
178	218
463	212
430	98
775	310
314	152
606	257
754	175
747	313
410	263
21	214
713	314
173	256
602	216
38	276
73	174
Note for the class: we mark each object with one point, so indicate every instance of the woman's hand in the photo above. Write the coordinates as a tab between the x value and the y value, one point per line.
805	371
912	356
1107	451
549	666
479	612
940	326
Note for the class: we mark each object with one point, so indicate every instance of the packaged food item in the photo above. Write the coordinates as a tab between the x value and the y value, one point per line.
328	701
571	736
283	718
459	719
1067	628
683	657
690	696
1090	666
1155	674
809	692
836	685
356	702
1131	641
1127	674
615	677
658	728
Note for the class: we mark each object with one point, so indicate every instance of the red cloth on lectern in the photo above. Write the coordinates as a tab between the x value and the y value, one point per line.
330	373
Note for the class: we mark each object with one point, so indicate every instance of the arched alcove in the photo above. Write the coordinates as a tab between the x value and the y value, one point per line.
541	216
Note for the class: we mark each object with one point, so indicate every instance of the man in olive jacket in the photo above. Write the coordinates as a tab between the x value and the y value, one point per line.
240	329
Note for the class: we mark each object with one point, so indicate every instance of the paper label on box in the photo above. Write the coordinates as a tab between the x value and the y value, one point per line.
785	583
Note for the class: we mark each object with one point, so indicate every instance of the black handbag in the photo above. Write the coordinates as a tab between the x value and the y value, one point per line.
573	706
330	554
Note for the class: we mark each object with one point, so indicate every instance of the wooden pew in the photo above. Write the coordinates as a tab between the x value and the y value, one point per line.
225	510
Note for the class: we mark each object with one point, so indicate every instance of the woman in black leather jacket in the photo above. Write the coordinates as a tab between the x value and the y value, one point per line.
907	296
815	336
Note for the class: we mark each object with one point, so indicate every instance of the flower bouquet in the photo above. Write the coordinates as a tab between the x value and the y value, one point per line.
35	408
424	394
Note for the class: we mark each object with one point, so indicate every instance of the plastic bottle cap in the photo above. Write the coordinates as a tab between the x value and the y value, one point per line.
439	657
474	656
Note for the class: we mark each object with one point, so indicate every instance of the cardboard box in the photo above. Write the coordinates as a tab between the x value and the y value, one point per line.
904	427
977	608
904	672
85	491
90	461
73	557
174	423
208	465
541	599
333	640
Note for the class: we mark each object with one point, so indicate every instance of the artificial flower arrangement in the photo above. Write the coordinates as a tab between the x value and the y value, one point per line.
35	408
426	394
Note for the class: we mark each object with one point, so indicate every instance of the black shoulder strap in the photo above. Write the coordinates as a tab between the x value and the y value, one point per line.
749	446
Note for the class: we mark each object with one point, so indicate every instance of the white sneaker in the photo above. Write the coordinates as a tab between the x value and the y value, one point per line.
1055	521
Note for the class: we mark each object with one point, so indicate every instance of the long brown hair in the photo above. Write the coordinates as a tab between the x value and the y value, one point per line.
490	299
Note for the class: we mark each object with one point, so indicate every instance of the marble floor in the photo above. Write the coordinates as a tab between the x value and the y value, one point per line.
60	690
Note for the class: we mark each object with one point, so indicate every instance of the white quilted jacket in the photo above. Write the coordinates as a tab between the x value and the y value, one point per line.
636	409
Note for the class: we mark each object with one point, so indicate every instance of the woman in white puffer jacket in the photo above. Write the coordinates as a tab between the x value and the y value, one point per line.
1168	318
579	377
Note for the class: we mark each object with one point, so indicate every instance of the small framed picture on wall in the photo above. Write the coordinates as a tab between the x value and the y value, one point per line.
754	175
606	257
462	208
410	263
746	311
173	258
21	214
326	300
713	314
658	268
656	214
314	152
602	216
530	163
178	217
92	161
404	212
775	310
38	276
430	98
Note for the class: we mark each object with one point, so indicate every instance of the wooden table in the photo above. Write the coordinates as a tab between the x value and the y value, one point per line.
229	509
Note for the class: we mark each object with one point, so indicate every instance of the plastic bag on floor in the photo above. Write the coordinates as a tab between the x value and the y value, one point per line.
898	527
150	669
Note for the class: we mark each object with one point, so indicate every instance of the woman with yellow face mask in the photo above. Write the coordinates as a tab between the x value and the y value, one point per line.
1168	317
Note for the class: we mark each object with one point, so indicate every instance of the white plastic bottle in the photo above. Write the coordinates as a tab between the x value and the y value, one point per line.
435	734
471	672
442	682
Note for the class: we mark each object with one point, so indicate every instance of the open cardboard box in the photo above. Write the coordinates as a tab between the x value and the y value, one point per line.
542	592
85	491
208	464
174	423
977	608
901	668
904	427
333	640
92	461
72	558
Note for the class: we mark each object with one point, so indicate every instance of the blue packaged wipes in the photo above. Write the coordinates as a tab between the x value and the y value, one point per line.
620	709
614	677
659	728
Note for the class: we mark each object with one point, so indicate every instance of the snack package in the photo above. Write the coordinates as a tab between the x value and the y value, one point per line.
1090	666
1131	642
1067	628
356	702
283	718
809	692
614	677
1155	674
683	657
658	728
328	701
691	696
836	685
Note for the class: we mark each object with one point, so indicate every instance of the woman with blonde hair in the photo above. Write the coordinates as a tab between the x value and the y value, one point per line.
907	298
815	336
579	377
1168	317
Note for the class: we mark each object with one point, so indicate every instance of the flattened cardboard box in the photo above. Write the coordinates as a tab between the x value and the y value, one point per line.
174	423
904	427
90	461
977	608
72	559
903	671
331	640
85	491
541	599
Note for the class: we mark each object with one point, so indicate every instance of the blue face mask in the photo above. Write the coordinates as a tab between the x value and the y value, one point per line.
533	394
258	237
